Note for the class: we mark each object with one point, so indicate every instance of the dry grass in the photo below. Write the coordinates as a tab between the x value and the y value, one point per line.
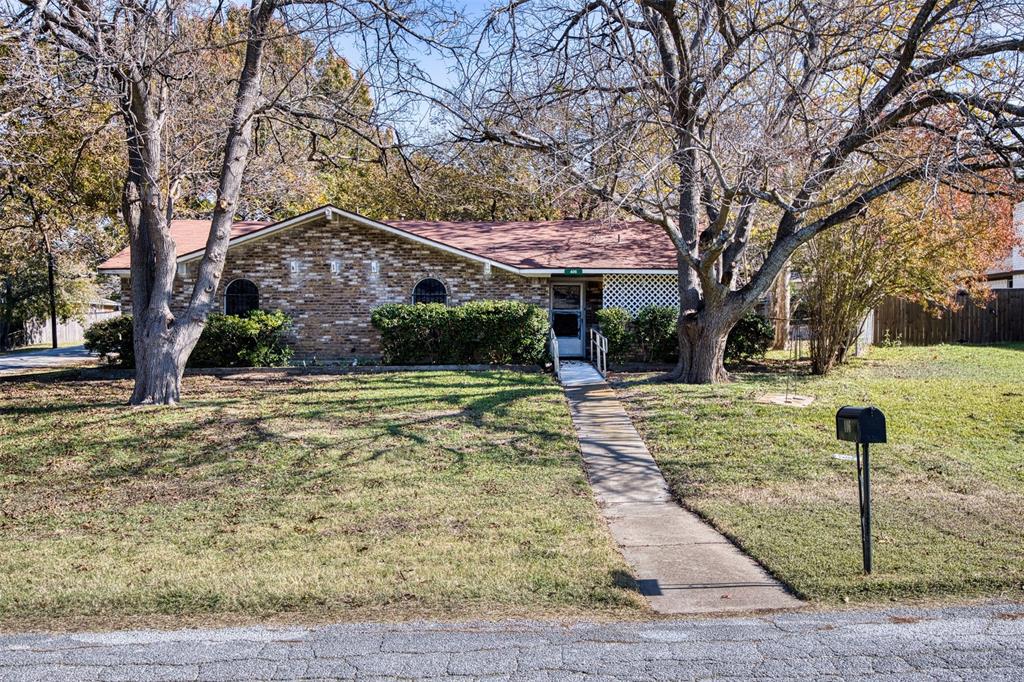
381	496
948	487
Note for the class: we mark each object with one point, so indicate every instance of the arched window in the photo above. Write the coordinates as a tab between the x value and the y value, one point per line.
429	291
241	297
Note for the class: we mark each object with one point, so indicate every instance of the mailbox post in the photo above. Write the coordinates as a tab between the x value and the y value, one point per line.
862	426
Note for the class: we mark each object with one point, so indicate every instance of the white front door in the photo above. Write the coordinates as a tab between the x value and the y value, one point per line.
567	318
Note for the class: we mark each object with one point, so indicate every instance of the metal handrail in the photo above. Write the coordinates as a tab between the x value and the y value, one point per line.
553	349
599	351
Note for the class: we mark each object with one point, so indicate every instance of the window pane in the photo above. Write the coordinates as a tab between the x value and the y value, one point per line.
241	297
430	291
566	324
565	297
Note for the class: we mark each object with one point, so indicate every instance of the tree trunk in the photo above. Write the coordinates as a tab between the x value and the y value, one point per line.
6	316
53	297
707	359
164	341
158	376
780	309
161	351
702	348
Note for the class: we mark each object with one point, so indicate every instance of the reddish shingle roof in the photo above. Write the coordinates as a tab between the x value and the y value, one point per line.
547	244
589	244
189	237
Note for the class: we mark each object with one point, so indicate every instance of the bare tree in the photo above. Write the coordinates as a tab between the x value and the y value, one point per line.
150	62
733	124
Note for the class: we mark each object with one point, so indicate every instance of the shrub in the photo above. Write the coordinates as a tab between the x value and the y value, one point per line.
480	332
257	339
749	339
501	332
112	337
655	332
651	336
617	326
412	334
254	340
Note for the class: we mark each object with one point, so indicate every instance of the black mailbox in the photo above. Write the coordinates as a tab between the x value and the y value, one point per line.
860	424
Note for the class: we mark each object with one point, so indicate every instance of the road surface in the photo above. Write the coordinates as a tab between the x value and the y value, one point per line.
31	361
961	643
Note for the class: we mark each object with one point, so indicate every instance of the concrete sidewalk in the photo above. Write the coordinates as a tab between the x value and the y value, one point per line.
683	565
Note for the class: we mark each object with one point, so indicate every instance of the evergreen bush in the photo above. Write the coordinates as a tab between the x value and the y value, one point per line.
750	339
258	339
651	335
479	332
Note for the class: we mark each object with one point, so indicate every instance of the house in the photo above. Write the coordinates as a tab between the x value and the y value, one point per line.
1009	274
328	268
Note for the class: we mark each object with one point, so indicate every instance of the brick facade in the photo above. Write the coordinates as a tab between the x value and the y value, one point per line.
331	312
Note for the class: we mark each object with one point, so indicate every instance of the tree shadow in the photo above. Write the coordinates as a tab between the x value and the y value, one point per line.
259	425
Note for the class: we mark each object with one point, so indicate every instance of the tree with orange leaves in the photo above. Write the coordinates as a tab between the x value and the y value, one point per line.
918	245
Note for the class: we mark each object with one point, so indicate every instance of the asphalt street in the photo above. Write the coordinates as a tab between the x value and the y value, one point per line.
35	360
956	643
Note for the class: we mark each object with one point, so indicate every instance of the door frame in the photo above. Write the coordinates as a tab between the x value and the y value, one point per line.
582	315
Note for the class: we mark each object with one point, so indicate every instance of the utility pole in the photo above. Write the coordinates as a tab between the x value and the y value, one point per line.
48	247
53	297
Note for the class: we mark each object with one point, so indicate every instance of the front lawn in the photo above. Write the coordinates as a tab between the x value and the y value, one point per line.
363	496
948	488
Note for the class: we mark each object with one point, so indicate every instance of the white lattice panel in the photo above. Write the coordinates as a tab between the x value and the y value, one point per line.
633	292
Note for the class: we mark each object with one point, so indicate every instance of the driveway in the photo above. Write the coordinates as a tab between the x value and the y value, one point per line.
962	643
29	361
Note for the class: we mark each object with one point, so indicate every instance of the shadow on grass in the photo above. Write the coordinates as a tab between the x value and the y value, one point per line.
491	415
767	372
44	376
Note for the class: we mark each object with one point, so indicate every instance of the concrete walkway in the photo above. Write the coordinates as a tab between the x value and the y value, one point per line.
683	565
962	643
25	362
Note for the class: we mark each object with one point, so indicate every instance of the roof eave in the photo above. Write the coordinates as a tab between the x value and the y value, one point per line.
598	271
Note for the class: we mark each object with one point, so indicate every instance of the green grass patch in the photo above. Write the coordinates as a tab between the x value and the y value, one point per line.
948	488
385	496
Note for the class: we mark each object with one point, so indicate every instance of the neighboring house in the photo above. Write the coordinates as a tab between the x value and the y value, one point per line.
1009	274
328	268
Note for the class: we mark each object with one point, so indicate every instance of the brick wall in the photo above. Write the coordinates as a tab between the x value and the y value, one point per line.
331	312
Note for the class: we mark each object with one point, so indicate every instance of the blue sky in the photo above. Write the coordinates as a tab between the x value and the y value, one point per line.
432	62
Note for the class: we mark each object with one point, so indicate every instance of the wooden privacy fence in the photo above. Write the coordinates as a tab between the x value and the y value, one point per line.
998	320
68	331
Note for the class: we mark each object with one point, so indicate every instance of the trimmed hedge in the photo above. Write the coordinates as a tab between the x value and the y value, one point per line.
654	330
254	340
258	339
651	335
616	325
479	332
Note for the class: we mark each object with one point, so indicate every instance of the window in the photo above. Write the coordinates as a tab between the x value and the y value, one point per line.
430	291
241	297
